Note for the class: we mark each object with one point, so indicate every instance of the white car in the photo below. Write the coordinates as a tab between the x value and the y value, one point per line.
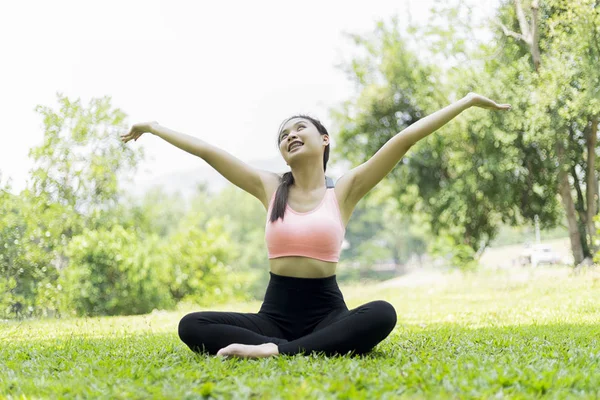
540	254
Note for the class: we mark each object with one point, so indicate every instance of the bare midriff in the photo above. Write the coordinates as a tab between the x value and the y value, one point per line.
302	267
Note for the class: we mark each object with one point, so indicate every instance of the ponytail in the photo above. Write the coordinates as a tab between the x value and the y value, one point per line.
281	196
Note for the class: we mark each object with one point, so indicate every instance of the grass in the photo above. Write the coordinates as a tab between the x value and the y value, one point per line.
520	334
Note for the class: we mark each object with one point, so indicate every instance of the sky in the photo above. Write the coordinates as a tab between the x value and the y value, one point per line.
228	72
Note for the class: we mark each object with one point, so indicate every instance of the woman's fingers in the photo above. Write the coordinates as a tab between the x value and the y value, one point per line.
485	102
132	134
493	105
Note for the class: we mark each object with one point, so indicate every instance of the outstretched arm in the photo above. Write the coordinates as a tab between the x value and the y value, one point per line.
431	123
253	180
364	177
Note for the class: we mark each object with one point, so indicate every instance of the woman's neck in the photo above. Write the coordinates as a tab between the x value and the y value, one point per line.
308	179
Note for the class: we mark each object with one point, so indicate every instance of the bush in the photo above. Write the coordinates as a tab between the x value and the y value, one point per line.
199	267
28	283
458	255
118	272
114	272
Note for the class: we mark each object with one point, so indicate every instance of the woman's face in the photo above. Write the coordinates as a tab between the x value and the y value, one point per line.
302	131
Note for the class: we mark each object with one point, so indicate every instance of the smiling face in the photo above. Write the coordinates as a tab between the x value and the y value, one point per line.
302	131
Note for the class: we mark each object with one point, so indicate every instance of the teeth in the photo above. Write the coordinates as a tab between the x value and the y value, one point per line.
295	145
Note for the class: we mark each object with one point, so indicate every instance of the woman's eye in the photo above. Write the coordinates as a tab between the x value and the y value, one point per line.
285	134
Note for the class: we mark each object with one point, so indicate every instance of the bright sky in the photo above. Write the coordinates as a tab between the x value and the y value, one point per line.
228	72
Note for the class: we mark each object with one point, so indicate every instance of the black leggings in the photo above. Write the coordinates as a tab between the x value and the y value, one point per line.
299	315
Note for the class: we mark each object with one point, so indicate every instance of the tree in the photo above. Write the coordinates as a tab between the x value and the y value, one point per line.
73	186
455	179
484	169
80	160
560	40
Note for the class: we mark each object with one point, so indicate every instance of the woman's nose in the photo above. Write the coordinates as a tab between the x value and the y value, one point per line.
292	136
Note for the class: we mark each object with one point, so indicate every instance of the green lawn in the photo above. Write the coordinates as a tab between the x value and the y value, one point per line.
519	335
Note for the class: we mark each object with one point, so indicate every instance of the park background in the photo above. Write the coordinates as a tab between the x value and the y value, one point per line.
92	227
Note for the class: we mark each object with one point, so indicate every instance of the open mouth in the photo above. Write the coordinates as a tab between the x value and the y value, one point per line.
294	145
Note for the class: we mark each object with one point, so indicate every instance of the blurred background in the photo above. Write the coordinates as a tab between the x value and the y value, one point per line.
92	226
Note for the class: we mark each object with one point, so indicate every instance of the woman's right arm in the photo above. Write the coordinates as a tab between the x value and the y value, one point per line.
191	144
257	182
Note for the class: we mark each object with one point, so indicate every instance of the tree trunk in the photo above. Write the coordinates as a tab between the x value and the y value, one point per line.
529	33
591	183
569	206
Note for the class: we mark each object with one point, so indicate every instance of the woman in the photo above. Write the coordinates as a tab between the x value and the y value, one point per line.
303	310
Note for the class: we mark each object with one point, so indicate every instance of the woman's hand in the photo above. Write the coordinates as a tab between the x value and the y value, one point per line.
137	130
478	100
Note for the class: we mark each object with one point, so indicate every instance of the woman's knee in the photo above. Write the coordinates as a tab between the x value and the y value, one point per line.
185	327
386	314
189	326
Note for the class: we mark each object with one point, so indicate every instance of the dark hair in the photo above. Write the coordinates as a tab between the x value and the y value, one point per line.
281	196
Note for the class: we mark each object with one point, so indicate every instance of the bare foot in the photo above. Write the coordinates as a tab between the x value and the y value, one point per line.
249	351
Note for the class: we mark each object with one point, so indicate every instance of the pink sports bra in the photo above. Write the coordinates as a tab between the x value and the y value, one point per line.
316	234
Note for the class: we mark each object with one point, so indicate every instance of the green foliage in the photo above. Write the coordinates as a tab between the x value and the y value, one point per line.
81	157
118	271
457	254
74	243
562	99
378	232
244	221
11	253
73	185
114	271
573	28
157	212
197	258
484	169
446	178
28	234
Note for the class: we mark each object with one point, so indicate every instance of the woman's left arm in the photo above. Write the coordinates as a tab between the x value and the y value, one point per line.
364	177
431	123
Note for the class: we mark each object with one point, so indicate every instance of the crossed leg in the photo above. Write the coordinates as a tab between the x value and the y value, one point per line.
343	331
356	331
210	331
